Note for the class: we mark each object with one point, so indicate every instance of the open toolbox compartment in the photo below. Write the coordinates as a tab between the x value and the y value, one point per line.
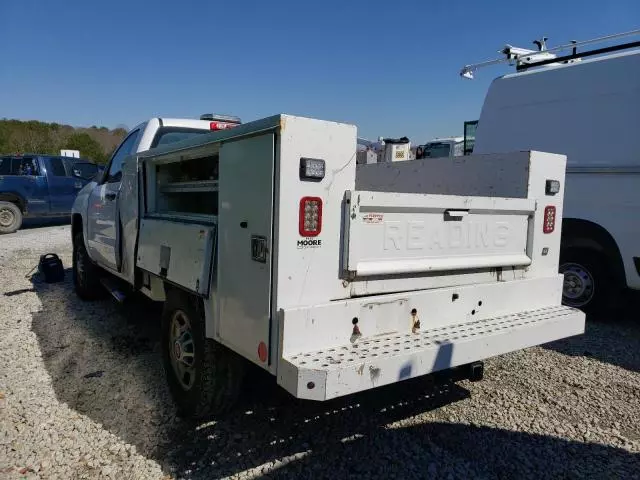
182	189
178	230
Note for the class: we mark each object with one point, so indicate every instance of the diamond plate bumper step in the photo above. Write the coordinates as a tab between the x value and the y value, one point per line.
377	361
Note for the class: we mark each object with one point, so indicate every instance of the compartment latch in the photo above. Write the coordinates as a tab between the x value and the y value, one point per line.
259	248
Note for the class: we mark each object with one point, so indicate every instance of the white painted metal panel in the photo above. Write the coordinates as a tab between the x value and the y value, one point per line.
365	286
494	175
618	212
350	368
180	252
391	233
586	110
245	212
328	325
310	273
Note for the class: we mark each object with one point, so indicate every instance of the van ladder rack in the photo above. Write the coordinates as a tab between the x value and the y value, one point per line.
573	56
524	58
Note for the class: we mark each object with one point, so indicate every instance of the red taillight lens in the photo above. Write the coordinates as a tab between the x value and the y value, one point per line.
310	219
549	219
221	125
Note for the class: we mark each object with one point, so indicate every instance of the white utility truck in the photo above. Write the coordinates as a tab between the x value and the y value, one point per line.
384	150
583	105
267	244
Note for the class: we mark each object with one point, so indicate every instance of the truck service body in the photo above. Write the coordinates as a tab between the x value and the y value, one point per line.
267	243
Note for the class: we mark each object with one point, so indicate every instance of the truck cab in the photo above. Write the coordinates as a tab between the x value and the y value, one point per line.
37	186
98	200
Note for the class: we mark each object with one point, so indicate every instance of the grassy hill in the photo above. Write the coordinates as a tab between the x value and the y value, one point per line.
95	143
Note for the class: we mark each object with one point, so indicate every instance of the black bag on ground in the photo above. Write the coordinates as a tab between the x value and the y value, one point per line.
51	268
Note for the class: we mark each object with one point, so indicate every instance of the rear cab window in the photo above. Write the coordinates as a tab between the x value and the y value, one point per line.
57	167
167	135
20	166
80	167
84	170
5	165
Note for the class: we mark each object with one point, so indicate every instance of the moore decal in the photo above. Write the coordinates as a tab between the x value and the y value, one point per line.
309	243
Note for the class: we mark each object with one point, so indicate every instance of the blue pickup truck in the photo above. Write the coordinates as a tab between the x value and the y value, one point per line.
38	186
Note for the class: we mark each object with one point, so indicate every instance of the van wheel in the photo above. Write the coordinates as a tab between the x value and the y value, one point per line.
204	377
10	217
86	274
587	282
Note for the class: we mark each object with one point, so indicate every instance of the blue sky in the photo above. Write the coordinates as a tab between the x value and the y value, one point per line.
389	67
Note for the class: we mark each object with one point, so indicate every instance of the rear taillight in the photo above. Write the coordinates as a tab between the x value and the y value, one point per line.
549	219
221	125
310	219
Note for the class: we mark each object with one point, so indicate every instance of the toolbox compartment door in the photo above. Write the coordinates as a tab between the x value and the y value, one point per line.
179	252
245	246
400	234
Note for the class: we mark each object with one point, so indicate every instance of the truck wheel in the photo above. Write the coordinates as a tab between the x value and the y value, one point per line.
10	217
204	376
86	274
587	282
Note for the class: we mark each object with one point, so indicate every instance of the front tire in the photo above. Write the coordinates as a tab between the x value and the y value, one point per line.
204	377
587	281
10	217
86	274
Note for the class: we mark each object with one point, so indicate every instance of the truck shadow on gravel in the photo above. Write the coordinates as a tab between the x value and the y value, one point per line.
277	437
104	363
613	338
446	450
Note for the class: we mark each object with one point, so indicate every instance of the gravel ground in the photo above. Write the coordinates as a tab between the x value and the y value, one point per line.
82	395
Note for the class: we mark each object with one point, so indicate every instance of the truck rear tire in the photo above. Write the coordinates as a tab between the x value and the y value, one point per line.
86	274
10	217
204	377
587	281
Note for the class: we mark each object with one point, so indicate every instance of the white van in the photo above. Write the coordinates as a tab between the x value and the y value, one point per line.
588	110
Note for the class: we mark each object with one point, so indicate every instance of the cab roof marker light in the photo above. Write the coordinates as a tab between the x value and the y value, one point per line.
220	118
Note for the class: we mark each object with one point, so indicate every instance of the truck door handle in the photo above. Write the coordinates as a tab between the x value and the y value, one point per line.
110	196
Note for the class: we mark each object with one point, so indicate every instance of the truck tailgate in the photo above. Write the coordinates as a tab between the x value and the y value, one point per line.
399	233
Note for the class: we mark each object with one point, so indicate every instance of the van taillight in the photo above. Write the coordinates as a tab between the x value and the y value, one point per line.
310	217
549	219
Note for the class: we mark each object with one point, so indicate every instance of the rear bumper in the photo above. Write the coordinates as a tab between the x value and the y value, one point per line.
384	359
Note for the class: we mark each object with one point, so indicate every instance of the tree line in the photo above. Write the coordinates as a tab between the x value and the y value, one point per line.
94	143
